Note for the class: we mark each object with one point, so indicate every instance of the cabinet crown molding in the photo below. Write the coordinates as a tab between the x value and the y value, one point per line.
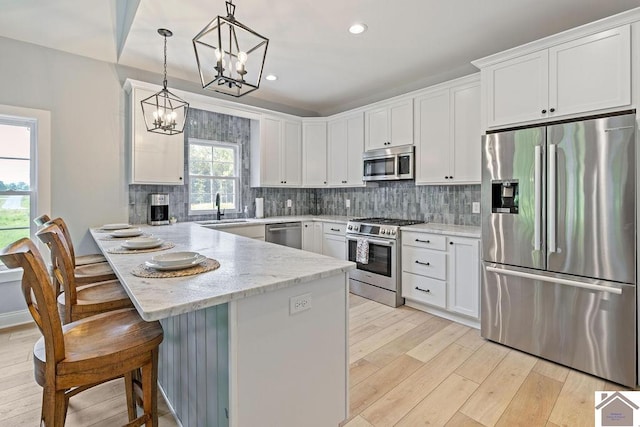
618	20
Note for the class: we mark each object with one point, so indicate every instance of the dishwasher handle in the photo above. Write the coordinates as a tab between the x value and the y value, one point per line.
284	227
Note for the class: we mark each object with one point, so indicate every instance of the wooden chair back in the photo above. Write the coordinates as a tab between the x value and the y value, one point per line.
42	220
67	235
62	263
39	295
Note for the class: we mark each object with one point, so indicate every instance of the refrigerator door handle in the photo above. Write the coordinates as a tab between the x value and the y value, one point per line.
537	198
551	213
567	282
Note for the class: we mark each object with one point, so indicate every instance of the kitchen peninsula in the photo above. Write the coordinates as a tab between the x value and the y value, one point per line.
234	351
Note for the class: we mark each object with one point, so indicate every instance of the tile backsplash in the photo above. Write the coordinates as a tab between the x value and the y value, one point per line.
449	204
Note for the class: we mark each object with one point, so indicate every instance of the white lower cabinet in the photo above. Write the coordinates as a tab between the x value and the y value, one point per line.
312	236
334	243
441	271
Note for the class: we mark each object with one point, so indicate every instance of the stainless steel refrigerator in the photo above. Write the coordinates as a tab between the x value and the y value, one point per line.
559	243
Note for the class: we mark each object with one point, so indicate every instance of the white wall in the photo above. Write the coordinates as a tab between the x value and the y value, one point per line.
86	101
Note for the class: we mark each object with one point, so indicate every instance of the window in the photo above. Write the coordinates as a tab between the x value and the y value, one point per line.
214	168
17	178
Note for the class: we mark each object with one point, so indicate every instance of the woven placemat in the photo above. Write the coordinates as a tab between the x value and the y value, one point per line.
123	250
109	237
207	265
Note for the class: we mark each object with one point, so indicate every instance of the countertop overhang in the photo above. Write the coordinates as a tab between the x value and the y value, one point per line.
247	267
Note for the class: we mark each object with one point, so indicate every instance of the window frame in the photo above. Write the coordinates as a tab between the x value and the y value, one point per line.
237	177
32	124
42	170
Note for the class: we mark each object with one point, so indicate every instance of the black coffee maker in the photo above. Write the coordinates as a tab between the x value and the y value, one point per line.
159	209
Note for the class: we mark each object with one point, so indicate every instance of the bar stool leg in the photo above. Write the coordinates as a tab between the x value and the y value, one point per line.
131	396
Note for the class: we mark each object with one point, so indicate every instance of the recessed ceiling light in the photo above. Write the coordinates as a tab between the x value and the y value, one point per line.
358	28
271	77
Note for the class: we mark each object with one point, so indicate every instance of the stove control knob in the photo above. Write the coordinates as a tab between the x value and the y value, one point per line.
385	231
350	227
393	232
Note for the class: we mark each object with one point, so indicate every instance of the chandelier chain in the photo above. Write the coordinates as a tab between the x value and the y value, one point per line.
164	82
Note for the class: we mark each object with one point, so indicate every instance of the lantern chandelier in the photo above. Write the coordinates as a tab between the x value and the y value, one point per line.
164	112
230	55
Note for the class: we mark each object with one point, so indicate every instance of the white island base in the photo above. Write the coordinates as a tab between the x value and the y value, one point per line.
251	362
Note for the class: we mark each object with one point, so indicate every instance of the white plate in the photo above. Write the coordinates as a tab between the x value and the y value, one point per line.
142	243
184	265
127	233
174	258
115	226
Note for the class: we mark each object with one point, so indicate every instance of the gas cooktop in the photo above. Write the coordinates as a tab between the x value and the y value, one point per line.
381	227
387	221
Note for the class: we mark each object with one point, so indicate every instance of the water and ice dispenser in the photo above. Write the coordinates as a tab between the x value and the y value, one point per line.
504	197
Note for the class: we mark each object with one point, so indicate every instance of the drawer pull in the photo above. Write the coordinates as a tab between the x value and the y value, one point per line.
428	291
423	241
335	229
422	263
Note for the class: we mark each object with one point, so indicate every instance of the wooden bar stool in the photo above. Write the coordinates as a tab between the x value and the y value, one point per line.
79	260
72	358
77	302
84	274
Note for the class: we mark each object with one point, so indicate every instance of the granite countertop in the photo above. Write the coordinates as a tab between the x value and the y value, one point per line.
450	229
247	267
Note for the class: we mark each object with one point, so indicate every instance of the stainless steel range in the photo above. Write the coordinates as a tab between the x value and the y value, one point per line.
373	244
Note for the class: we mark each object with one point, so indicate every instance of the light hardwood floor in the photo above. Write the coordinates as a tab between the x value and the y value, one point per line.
408	368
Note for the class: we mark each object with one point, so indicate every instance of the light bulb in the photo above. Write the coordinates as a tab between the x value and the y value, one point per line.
242	57
219	54
160	113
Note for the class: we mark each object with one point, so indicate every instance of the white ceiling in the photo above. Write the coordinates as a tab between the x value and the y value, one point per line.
321	67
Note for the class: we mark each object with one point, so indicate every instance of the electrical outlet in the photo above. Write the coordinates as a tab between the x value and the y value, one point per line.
299	303
475	207
347	203
289	203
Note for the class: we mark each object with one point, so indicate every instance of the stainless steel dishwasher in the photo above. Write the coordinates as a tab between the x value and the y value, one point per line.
285	233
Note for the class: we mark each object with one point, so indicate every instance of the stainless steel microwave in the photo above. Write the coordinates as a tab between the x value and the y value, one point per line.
388	164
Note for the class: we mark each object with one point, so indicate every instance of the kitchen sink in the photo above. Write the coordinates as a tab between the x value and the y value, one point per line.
221	221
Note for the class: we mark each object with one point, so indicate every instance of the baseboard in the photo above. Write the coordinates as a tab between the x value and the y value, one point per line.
472	323
15	318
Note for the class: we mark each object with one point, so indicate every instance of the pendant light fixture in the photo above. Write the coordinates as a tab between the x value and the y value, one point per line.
230	55
164	112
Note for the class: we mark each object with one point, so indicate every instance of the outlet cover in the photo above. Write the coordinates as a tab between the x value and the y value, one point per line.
289	204
347	203
299	303
475	207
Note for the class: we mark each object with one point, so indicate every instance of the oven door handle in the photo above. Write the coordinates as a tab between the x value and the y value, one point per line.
376	241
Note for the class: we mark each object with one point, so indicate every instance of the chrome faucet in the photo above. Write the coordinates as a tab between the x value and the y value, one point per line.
218	214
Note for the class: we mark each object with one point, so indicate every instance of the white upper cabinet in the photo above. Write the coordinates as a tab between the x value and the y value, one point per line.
448	134
277	154
591	73
517	89
389	125
155	158
579	76
292	154
314	140
346	143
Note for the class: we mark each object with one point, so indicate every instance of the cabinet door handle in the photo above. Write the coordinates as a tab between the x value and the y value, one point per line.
552	109
427	291
423	241
544	111
450	176
446	177
422	263
180	178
